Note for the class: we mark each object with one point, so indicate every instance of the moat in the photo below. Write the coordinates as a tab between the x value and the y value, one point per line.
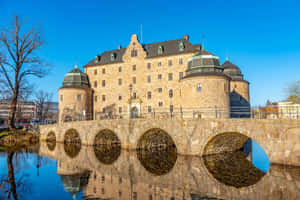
74	171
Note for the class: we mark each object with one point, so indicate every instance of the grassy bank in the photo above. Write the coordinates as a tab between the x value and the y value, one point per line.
18	138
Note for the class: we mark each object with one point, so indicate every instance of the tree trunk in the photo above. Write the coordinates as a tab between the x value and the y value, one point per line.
11	175
13	109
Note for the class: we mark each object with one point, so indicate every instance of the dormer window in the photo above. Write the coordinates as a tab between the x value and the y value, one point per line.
97	59
181	46
160	50
133	53
113	56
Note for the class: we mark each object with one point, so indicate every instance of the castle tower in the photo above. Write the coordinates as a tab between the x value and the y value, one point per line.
239	91
75	97
205	88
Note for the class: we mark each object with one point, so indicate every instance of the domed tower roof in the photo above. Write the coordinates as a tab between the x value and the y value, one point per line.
75	183
76	79
204	63
232	70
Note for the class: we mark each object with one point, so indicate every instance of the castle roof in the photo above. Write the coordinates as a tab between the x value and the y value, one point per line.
76	79
232	70
170	47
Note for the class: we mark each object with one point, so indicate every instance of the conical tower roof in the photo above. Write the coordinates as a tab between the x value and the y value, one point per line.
76	79
232	70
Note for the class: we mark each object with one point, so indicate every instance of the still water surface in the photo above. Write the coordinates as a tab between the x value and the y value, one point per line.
58	171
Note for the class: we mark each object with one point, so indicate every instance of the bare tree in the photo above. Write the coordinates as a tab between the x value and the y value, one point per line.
293	92
19	60
43	104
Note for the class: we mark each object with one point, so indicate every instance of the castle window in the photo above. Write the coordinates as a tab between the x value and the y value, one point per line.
150	197
170	76
120	193
103	71
134	95
180	75
103	110
149	95
159	64
133	53
133	67
149	65
103	179
103	83
95	84
103	98
134	80
181	46
112	56
170	93
149	109
199	87
160	104
120	69
180	61
120	97
120	180
61	97
149	79
78	97
95	72
171	108
120	109
170	63
159	76
120	81
160	90
96	98
102	191
160	50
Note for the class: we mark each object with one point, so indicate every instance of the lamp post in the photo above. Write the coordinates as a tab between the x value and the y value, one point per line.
130	98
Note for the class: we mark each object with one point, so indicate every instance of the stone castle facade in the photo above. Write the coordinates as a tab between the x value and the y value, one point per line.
174	79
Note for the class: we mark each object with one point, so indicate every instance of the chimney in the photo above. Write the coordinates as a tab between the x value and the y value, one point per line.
119	47
186	37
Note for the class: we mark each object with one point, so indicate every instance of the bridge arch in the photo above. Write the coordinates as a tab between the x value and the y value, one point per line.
155	138
72	136
106	137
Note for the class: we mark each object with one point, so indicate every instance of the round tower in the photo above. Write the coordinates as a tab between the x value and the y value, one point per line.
75	97
239	91
205	88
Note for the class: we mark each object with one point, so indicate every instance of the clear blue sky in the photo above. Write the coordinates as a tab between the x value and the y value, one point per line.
261	37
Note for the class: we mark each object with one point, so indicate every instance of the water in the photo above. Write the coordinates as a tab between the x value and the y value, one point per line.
58	171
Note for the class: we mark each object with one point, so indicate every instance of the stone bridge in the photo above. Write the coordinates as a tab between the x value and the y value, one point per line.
279	138
189	175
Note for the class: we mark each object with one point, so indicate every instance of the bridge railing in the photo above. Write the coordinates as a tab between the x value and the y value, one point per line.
271	112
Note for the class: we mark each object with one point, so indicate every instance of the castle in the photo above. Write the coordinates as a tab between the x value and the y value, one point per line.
174	78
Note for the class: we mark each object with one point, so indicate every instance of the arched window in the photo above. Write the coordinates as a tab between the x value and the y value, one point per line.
160	50
181	46
199	87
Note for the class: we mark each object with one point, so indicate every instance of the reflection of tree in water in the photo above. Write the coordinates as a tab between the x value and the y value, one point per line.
158	162
198	197
233	169
72	150
14	184
107	147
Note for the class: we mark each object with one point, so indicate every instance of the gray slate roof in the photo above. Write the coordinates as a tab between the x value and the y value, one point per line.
170	47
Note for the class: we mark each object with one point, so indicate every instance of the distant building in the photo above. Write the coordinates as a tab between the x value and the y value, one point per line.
288	110
26	112
173	78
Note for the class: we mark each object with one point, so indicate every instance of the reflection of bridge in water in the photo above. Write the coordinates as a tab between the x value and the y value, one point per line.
126	178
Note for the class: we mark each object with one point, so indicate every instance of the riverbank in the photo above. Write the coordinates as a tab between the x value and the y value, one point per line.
18	138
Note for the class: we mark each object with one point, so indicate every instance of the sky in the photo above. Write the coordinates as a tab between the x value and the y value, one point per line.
261	37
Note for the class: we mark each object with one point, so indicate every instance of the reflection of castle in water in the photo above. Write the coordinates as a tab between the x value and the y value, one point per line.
189	178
